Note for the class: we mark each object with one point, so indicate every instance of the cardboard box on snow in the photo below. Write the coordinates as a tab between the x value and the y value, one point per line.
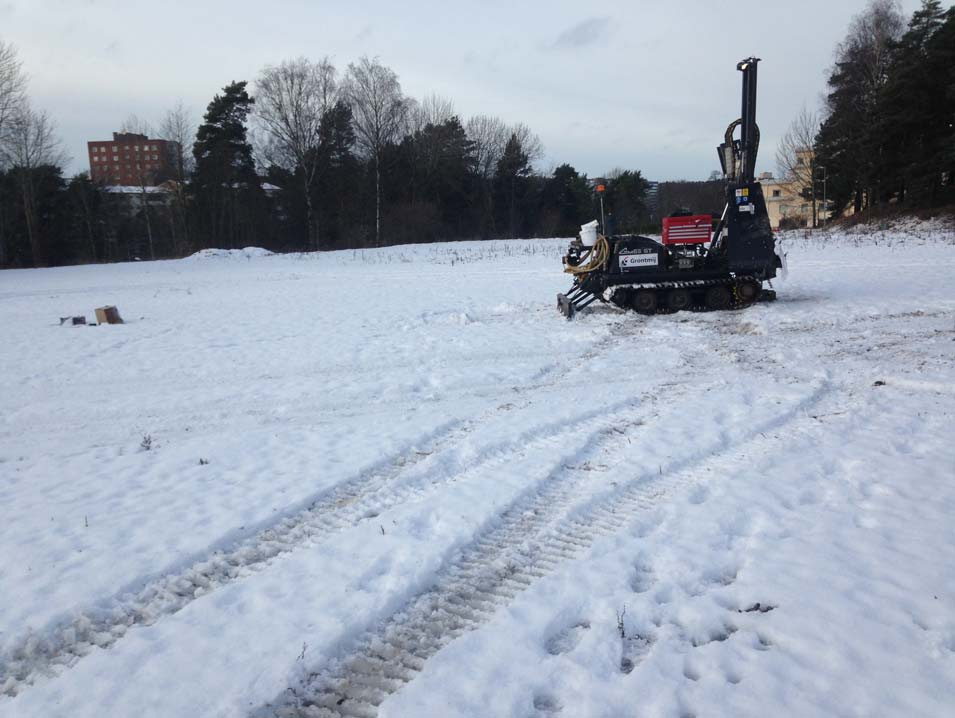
108	315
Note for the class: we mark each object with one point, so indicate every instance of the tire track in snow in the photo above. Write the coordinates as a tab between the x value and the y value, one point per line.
59	647
853	321
555	523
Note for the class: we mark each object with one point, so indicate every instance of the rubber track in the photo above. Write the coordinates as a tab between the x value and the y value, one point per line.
695	284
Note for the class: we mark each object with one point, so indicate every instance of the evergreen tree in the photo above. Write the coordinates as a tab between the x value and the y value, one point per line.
337	188
909	111
85	204
446	171
849	144
33	227
625	196
835	148
942	50
566	202
229	197
511	185
940	140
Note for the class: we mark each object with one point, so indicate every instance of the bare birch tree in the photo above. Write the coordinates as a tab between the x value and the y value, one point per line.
530	143
12	87
136	125
796	155
489	135
178	127
29	144
871	37
430	110
12	99
378	115
290	101
133	124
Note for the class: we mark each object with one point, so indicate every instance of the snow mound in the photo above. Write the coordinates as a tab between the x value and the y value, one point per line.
244	253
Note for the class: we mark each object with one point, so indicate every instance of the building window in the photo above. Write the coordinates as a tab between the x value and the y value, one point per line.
777	193
116	159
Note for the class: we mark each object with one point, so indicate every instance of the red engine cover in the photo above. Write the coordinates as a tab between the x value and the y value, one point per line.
687	230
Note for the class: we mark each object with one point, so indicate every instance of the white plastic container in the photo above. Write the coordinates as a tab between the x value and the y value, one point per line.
588	234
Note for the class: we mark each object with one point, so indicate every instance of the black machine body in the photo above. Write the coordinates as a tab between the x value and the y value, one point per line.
695	265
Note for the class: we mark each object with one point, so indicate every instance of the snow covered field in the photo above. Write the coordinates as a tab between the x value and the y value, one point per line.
313	485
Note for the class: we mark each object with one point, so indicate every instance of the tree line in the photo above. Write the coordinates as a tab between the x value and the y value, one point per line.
886	138
303	158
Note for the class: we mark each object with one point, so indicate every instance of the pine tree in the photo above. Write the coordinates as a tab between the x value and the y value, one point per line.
850	145
445	169
229	195
626	194
908	109
566	201
941	66
86	206
838	145
511	184
337	181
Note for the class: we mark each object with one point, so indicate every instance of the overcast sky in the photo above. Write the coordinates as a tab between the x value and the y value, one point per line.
639	85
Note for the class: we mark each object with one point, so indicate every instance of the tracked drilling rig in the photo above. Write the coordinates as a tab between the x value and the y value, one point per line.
694	266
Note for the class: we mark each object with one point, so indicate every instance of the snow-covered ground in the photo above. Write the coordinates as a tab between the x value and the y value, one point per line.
313	485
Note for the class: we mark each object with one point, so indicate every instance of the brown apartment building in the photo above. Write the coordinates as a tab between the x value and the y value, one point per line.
131	159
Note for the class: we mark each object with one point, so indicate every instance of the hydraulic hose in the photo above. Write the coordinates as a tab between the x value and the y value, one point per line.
595	258
728	141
